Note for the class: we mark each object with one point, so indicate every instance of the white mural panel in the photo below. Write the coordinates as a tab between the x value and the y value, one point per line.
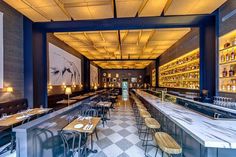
63	67
1	51
93	75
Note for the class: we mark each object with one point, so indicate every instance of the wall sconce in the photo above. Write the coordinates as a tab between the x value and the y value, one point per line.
109	74
64	85
50	87
9	89
95	87
73	85
117	75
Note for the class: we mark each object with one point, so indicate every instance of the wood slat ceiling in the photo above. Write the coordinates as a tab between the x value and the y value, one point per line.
133	44
123	64
64	10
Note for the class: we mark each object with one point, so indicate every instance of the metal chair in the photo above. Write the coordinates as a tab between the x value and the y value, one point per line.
73	142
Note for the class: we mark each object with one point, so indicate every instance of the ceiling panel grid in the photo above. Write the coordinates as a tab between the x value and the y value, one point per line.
65	10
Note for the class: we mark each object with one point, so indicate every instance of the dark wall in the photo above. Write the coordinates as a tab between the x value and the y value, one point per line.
123	74
13	52
149	69
55	41
227	25
186	44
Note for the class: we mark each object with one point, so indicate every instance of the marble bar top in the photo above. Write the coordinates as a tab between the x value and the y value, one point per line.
208	132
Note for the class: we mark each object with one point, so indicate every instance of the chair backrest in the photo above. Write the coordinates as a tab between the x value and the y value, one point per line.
91	113
73	136
12	107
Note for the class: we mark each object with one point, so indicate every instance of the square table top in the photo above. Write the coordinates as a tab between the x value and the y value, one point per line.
79	97
104	104
18	117
94	120
66	102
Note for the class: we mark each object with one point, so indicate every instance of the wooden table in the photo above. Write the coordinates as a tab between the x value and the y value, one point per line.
14	119
79	97
104	104
66	102
94	121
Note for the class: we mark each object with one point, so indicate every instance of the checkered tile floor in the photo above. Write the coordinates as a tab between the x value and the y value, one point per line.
119	138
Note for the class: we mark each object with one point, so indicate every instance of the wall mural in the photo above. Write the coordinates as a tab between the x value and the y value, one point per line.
63	67
93	75
1	50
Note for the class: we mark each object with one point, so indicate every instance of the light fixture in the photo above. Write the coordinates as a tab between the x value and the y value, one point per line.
74	85
9	89
68	92
117	75
50	87
63	85
95	87
109	74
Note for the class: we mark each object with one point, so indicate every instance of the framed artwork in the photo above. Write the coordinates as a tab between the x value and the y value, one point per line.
114	80
93	75
64	68
1	51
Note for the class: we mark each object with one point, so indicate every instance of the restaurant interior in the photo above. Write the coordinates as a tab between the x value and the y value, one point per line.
118	78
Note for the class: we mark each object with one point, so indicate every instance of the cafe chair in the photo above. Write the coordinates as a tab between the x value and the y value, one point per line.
74	142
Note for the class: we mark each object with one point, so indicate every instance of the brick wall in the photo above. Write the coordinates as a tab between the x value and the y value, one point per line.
13	53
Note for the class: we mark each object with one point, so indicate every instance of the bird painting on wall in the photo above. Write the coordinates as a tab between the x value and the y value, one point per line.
64	68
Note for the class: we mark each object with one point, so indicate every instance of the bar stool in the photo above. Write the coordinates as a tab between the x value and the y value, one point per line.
143	114
152	126
167	144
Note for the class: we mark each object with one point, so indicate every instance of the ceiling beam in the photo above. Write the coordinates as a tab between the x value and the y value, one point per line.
114	8
119	39
63	9
123	60
37	10
141	8
123	23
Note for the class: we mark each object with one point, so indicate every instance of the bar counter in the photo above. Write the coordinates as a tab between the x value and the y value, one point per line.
216	137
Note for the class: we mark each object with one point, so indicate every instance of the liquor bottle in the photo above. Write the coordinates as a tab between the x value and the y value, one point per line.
231	71
232	54
233	86
234	41
222	58
224	73
228	86
227	57
223	86
227	44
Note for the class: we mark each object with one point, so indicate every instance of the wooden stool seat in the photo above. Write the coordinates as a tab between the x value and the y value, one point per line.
167	144
142	108
152	123
145	114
